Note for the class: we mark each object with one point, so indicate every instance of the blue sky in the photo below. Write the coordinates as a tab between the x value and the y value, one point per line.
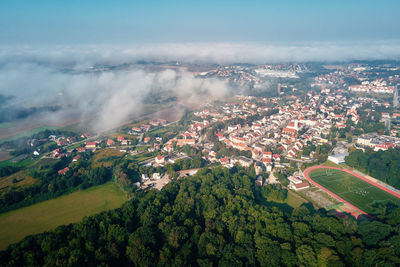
147	21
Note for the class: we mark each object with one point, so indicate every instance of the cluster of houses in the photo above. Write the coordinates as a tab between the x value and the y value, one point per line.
189	137
337	79
378	142
290	127
377	86
63	142
120	140
162	160
60	140
66	169
58	153
254	75
145	127
235	74
282	131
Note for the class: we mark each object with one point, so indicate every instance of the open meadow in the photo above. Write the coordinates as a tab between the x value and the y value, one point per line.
105	157
47	215
19	178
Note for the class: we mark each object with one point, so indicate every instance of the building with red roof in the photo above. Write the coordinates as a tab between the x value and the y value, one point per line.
81	149
290	132
160	159
91	145
63	171
110	142
182	142
300	186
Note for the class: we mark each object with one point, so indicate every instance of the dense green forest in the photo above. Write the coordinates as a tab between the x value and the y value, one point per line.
219	217
383	165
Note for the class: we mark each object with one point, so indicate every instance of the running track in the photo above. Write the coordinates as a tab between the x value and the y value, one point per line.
307	172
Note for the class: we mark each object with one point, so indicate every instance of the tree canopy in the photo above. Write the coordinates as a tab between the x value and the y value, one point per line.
383	165
218	217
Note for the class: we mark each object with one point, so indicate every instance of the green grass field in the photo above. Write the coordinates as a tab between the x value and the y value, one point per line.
141	148
294	200
142	157
22	178
22	163
352	189
47	215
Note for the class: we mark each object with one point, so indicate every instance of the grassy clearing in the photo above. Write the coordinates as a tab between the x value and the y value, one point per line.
125	135
352	189
142	157
159	130
45	162
22	163
302	194
165	129
294	200
106	157
40	164
141	148
332	164
47	215
21	177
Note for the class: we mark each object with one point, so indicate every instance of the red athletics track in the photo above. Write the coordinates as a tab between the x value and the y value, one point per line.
307	171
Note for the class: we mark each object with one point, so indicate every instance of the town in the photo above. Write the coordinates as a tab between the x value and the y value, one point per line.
278	137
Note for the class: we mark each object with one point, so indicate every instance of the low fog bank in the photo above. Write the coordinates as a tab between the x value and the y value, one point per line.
49	80
109	98
82	57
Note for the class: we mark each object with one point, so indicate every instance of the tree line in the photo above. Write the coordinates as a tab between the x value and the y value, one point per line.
383	165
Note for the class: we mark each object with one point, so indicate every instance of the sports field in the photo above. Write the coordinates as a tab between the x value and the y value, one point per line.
351	188
47	215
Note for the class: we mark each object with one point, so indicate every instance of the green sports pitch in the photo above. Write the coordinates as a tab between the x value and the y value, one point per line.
352	189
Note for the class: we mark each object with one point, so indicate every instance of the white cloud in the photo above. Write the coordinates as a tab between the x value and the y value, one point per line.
82	57
111	97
